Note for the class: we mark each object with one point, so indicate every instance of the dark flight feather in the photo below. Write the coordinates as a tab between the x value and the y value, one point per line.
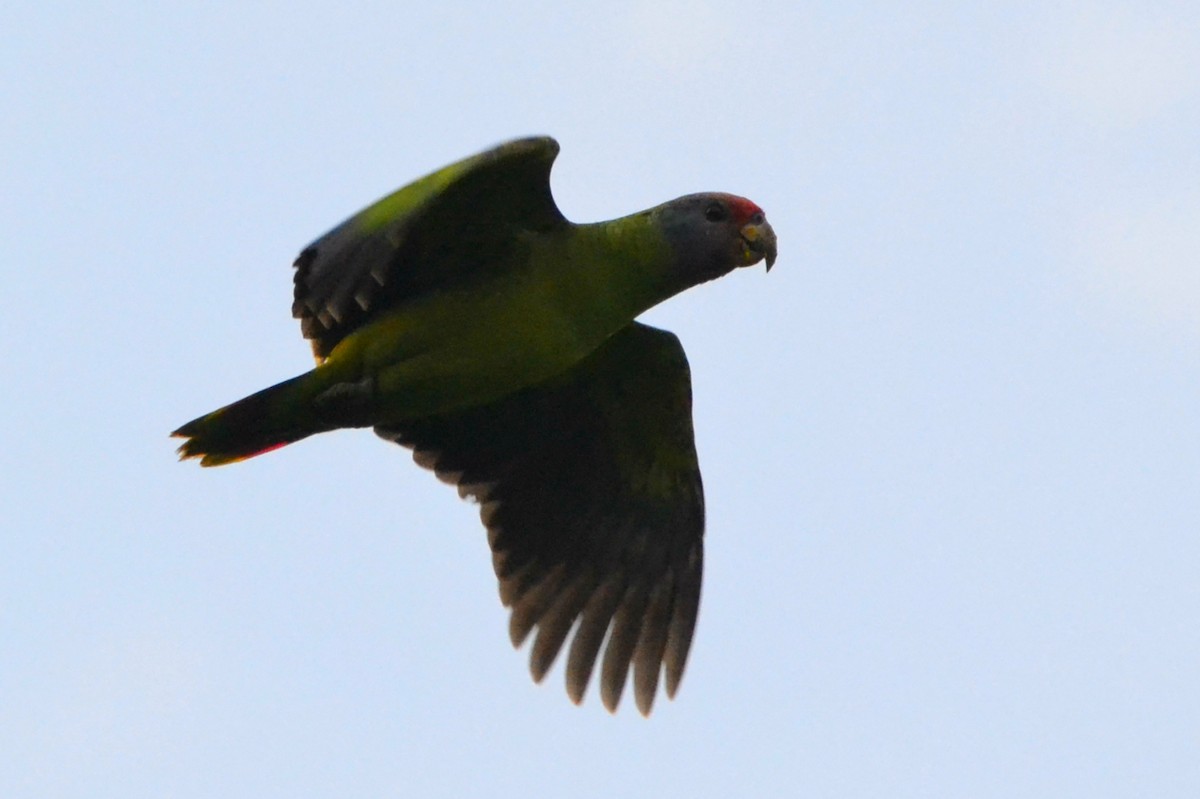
590	489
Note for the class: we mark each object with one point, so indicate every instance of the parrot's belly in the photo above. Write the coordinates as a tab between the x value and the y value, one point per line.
461	351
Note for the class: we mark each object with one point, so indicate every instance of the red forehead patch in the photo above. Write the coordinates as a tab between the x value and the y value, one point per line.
742	208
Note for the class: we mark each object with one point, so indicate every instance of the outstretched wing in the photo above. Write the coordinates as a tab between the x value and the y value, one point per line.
435	232
590	490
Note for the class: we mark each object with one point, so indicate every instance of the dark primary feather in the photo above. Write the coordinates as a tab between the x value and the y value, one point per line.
590	490
423	237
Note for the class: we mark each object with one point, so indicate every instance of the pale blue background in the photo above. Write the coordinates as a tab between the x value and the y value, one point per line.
951	443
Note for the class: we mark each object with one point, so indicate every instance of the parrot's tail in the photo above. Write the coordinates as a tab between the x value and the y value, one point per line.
264	421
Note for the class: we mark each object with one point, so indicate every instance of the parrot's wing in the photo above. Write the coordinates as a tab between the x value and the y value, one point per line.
433	233
590	491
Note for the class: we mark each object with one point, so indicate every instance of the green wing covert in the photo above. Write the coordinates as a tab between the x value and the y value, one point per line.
435	232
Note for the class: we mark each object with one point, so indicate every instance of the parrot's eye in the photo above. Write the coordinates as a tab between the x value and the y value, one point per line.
715	213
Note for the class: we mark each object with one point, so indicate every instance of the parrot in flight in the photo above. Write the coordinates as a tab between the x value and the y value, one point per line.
463	317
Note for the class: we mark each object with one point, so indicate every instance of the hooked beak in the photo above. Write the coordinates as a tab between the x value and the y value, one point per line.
758	242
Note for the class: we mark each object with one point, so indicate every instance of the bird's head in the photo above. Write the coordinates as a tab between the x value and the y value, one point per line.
713	233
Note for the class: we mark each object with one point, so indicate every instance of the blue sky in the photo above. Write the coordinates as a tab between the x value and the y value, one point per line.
951	444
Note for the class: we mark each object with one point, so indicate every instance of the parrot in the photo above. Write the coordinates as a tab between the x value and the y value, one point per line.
465	318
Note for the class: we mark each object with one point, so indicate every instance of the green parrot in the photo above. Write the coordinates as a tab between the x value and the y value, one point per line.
463	317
